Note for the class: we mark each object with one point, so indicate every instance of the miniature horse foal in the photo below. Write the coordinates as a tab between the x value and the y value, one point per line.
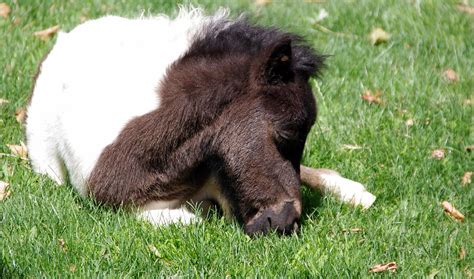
154	113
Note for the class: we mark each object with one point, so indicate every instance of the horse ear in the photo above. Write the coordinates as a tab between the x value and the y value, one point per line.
277	64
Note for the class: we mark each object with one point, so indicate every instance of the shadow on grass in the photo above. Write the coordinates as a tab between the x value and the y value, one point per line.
7	271
311	202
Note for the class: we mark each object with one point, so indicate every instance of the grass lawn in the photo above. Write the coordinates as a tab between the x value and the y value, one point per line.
48	231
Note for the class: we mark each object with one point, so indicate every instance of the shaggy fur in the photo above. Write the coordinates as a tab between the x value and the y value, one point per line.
229	111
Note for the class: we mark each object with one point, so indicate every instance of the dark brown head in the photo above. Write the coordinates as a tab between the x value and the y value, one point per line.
264	136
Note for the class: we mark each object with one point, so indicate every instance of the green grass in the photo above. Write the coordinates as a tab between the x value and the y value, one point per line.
405	225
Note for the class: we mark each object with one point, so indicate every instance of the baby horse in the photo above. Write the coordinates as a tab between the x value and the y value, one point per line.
156	112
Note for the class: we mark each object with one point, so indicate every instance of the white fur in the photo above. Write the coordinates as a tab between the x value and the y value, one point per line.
163	217
346	190
161	213
94	81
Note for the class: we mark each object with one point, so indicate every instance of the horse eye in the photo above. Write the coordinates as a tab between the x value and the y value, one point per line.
287	134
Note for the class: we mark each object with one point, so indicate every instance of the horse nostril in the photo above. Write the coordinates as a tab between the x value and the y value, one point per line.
282	218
